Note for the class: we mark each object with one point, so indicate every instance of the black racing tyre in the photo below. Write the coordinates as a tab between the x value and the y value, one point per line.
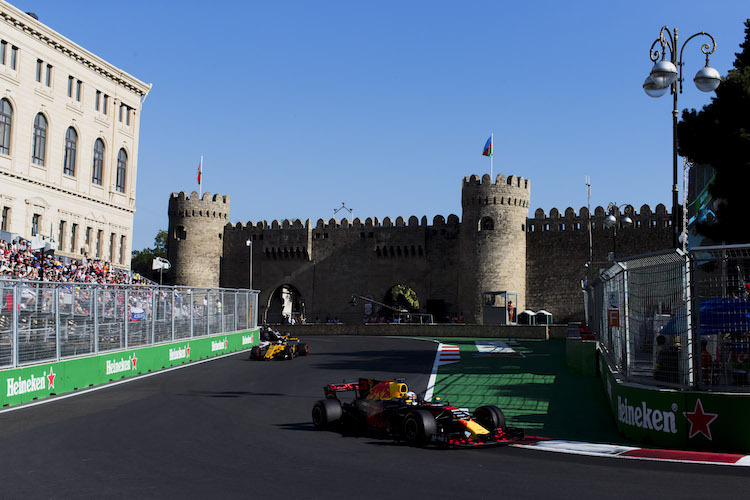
255	352
326	412
490	417
419	426
302	350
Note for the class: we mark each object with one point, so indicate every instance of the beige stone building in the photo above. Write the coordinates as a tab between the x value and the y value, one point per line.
69	125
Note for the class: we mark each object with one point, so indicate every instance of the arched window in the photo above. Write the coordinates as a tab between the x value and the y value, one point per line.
39	142
122	165
6	115
487	224
71	139
98	165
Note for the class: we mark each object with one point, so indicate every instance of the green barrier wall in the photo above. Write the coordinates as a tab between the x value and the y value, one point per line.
677	419
25	384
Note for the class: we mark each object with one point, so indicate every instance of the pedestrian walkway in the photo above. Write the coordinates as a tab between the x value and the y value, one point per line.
529	381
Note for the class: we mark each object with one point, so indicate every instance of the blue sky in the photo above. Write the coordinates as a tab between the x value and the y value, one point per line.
386	106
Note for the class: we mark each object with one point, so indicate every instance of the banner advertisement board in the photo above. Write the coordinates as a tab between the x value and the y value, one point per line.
25	384
678	419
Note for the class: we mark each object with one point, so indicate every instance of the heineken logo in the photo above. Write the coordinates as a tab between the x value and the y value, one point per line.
31	383
643	417
247	339
219	345
179	353
122	365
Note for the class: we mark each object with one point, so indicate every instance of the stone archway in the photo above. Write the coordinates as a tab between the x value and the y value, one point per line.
286	304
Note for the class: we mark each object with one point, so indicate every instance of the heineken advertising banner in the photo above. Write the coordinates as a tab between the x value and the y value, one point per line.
678	419
21	385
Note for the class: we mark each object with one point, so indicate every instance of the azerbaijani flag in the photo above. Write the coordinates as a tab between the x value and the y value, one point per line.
200	170
488	147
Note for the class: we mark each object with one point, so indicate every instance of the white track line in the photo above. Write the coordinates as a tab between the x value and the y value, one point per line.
52	399
446	354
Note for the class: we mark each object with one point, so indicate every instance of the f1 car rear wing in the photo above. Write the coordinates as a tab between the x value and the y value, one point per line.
332	390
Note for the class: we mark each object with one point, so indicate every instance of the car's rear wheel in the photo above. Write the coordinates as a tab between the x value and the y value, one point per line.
419	426
490	417
326	412
302	350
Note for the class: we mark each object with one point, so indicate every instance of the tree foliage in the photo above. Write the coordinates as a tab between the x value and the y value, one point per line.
141	260
403	297
719	135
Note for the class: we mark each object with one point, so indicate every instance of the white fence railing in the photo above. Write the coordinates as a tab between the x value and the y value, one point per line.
45	321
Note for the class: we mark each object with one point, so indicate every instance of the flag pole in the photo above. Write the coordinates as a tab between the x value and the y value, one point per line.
492	153
200	195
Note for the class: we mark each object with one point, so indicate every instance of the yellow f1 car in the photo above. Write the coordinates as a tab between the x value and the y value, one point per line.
274	345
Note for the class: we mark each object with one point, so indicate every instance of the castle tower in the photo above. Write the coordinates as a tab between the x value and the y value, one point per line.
493	240
195	239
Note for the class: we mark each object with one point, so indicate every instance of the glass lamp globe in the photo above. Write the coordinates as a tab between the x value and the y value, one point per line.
610	221
627	221
707	79
652	90
664	73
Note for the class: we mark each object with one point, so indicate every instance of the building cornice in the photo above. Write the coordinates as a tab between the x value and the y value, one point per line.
66	191
36	29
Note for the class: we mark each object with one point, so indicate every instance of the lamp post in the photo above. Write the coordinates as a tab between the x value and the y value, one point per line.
613	220
665	75
249	244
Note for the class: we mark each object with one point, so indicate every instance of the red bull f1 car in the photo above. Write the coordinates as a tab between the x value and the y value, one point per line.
274	345
390	409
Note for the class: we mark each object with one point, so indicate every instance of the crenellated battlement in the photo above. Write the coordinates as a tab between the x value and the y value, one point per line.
500	181
570	220
356	224
193	205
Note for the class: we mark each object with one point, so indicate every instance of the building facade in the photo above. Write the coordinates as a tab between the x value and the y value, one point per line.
69	128
495	246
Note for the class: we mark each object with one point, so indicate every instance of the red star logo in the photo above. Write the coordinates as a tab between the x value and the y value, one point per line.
700	420
51	379
134	360
226	343
187	349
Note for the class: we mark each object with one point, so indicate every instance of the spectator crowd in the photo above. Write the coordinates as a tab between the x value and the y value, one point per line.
18	261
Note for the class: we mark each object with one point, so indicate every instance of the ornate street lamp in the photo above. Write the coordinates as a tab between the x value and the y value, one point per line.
615	219
667	74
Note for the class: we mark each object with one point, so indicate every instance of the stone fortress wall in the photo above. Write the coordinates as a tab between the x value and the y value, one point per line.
449	263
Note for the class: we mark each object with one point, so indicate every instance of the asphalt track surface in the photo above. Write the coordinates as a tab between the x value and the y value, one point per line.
234	428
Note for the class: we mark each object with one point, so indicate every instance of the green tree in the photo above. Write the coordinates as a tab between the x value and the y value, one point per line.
403	297
141	260
719	135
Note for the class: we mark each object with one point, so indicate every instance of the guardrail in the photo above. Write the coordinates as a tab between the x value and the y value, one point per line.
51	321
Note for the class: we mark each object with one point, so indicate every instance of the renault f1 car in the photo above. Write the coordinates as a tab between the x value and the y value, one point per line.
274	345
390	409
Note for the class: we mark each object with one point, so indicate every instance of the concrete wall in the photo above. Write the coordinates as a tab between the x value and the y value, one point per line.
438	330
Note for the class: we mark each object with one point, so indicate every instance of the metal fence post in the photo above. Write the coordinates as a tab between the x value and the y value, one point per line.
626	319
236	293
14	327
126	315
691	343
96	320
172	295
191	307
154	312
57	323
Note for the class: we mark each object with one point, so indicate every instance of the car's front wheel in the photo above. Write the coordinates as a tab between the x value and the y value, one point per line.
326	412
490	417
419	427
